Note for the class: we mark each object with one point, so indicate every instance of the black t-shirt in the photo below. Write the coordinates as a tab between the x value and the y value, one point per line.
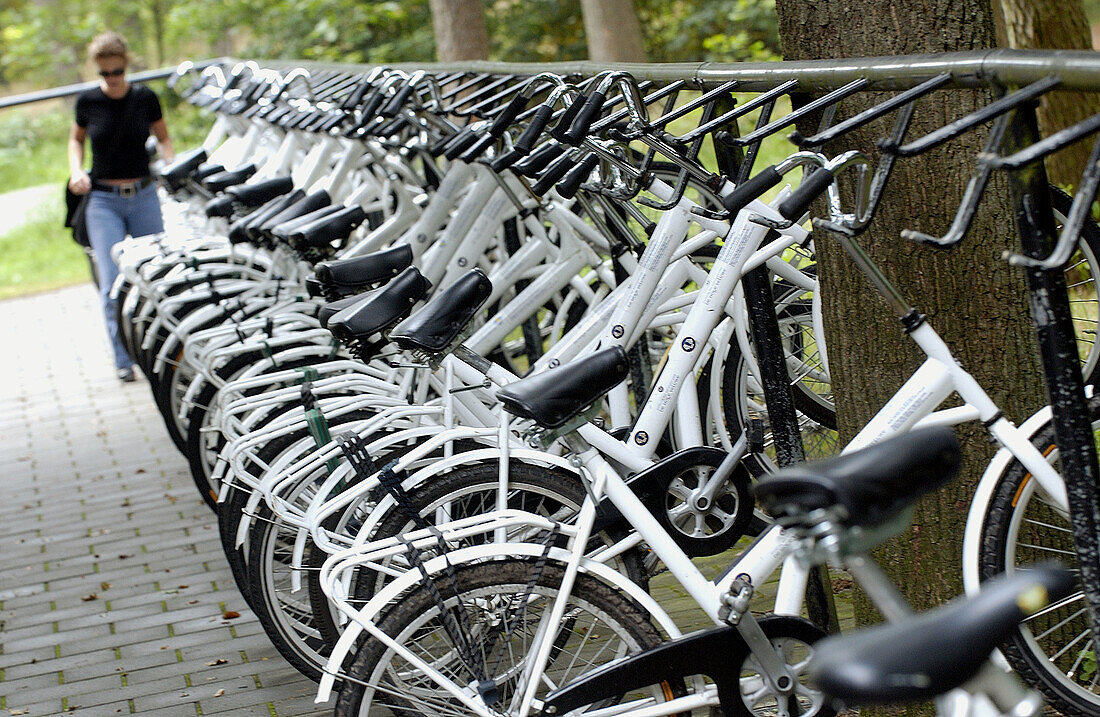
118	130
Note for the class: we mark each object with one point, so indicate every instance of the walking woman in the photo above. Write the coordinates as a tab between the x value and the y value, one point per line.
118	117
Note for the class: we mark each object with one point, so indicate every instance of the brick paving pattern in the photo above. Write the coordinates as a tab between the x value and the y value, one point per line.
113	587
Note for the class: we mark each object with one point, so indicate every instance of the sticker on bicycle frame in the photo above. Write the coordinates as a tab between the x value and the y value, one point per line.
617	331
688	344
641	438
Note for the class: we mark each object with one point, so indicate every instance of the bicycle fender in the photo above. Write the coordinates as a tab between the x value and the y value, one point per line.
362	619
983	494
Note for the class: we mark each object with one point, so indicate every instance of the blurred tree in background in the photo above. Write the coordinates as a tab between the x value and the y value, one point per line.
42	41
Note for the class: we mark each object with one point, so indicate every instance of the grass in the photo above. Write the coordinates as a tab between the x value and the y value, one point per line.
33	148
40	255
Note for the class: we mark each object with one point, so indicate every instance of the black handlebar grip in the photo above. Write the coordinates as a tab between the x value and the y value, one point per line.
332	122
508	116
584	119
505	161
553	174
478	148
438	147
539	120
356	97
751	189
535	163
370	107
572	181
800	200
397	101
463	142
390	127
565	121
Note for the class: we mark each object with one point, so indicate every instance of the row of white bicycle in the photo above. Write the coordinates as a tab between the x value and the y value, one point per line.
463	360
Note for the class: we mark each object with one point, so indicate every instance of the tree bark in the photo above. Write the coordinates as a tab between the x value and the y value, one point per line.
975	301
612	30
1055	25
157	11
460	32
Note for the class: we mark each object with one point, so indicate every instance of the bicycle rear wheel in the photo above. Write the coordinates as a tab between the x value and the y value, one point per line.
1052	651
503	603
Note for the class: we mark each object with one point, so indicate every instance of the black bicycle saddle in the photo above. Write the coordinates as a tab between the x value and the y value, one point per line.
869	485
330	228
364	270
380	308
554	396
442	319
934	652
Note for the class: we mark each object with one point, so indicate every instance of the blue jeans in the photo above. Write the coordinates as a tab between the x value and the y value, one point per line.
109	218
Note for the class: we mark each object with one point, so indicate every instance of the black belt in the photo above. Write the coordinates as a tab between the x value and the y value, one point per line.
127	189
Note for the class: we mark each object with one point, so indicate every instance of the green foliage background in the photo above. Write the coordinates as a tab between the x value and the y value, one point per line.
42	41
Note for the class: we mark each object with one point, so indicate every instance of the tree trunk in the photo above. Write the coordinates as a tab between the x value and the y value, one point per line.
975	301
158	10
612	31
460	32
1055	25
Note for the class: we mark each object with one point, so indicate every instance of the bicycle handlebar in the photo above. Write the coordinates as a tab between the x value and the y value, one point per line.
811	188
573	179
584	118
751	189
539	120
553	174
508	115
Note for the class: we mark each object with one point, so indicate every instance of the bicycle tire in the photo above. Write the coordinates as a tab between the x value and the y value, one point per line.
286	617
231	510
1021	527
199	455
1082	271
543	490
599	616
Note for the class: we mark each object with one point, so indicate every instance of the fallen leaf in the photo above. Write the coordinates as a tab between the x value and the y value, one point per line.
125	503
184	587
104	586
219	693
230	614
192	602
123	557
89	598
18	712
140	470
164	647
218	661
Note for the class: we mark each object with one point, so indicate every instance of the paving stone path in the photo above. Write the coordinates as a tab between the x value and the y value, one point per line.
114	596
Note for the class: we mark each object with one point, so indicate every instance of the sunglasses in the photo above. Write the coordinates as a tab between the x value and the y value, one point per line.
119	72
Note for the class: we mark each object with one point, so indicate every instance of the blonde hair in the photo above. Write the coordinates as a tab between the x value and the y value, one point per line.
108	44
